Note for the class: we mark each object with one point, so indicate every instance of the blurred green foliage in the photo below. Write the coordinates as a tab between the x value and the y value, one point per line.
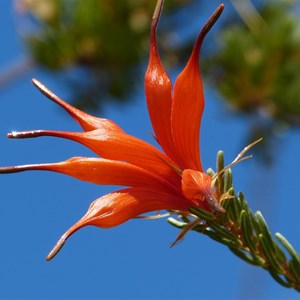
257	69
102	42
261	69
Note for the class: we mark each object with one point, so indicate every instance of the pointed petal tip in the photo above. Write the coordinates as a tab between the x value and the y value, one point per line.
207	27
221	7
212	20
7	170
86	121
15	134
36	82
157	12
155	20
11	135
60	243
25	134
44	90
22	168
48	93
57	247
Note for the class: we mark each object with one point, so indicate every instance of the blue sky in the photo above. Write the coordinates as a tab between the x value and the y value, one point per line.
134	260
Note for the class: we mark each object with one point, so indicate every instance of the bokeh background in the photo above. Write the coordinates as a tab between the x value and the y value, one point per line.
247	96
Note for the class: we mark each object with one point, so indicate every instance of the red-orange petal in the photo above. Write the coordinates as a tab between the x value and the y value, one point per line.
188	104
118	207
100	171
116	146
195	184
158	89
86	121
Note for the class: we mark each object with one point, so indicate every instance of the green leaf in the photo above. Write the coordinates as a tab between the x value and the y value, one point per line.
210	172
222	231
254	222
220	167
280	255
220	160
215	236
278	278
226	205
243	202
289	248
295	269
227	180
248	232
233	209
265	232
200	213
244	256
176	223
269	254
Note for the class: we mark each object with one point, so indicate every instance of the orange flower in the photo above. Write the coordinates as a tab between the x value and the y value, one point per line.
172	179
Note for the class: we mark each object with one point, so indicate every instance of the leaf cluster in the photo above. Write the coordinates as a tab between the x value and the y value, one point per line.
245	233
258	69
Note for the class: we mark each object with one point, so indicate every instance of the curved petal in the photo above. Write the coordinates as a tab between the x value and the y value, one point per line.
158	89
188	104
99	171
118	207
195	184
116	146
86	121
